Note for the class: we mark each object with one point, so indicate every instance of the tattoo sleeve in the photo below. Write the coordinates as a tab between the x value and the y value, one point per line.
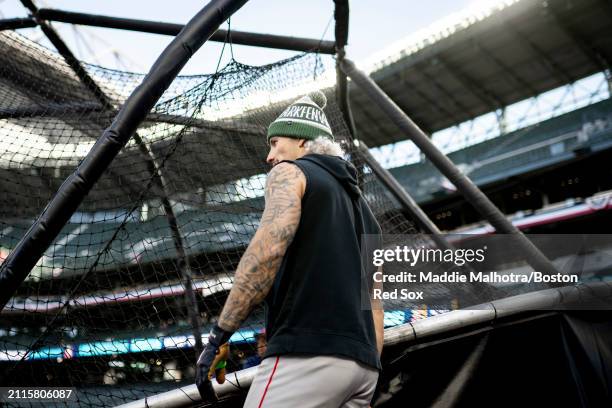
259	264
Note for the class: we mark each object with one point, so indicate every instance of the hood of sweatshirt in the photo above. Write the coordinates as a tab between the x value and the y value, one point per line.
342	170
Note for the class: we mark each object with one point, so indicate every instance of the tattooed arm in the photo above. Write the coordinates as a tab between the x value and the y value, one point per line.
258	266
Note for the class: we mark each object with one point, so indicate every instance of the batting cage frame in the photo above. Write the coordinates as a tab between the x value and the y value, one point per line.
204	26
65	203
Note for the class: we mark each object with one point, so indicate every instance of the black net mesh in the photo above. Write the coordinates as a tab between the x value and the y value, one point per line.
118	303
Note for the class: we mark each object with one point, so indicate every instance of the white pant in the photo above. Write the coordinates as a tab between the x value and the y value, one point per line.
312	381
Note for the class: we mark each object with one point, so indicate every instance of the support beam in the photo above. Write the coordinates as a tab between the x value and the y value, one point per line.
194	122
182	263
68	56
341	15
74	190
502	121
342	96
155	27
464	185
15	23
61	109
50	109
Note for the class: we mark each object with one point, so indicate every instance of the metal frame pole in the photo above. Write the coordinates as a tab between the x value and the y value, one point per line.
155	27
236	382
341	15
15	23
65	52
464	185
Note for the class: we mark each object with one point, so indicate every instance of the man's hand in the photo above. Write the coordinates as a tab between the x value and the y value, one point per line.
217	337
217	369
203	366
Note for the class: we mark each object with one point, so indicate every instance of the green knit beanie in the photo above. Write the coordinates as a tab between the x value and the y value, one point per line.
304	119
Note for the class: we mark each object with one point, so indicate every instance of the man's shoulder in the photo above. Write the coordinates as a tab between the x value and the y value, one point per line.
286	175
287	170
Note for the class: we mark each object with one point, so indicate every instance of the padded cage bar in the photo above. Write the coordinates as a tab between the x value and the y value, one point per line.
154	27
438	327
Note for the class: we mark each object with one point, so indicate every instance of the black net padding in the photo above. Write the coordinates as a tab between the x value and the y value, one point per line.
106	308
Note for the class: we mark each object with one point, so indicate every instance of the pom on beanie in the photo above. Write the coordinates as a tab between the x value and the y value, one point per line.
319	98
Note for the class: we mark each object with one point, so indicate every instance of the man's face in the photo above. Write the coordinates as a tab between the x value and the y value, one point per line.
285	148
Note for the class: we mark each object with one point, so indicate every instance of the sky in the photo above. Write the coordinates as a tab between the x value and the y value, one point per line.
373	25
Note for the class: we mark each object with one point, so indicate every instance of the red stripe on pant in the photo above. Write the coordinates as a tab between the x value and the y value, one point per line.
269	382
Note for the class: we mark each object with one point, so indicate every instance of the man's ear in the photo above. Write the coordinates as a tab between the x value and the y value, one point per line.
302	143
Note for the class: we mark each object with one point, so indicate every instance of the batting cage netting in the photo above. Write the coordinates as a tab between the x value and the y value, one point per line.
119	303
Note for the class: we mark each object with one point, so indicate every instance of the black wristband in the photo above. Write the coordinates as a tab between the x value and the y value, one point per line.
218	336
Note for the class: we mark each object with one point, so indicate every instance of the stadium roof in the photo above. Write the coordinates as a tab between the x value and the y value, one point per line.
468	64
485	62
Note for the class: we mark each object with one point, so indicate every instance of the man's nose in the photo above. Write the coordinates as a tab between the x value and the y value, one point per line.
270	158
